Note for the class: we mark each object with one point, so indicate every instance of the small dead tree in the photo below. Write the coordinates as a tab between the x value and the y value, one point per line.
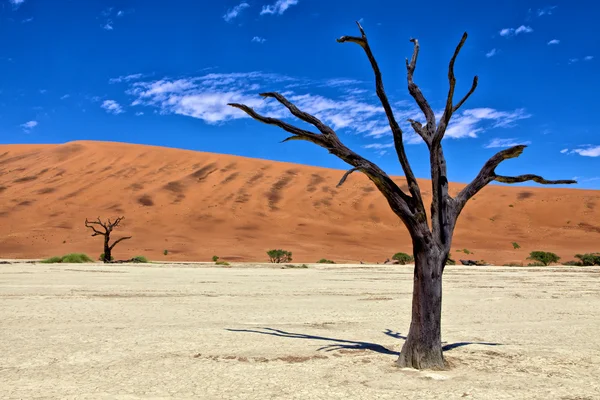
431	244
105	229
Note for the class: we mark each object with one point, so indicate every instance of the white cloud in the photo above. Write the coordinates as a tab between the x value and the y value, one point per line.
573	60
554	41
496	143
125	78
139	113
112	107
108	26
279	7
42	91
563	151
589	151
235	11
545	11
29	125
120	13
491	53
378	146
16	3
66	96
588	58
258	39
515	31
206	97
26	20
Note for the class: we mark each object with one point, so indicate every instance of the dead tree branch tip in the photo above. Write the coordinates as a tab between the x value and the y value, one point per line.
104	229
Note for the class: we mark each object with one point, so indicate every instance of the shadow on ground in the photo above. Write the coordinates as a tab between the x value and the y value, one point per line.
351	344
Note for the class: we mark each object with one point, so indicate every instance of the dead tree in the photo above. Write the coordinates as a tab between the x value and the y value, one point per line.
431	244
107	226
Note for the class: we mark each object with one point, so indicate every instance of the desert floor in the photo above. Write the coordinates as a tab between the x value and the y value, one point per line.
261	332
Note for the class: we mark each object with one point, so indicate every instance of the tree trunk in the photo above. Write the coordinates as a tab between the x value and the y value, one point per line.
107	250
423	346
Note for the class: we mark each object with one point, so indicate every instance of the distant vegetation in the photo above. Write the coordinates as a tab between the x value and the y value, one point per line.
166	252
279	256
73	258
139	259
325	261
403	258
101	258
588	259
516	245
216	261
542	258
450	261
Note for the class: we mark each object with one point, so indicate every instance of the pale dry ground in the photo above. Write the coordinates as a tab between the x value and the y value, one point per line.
257	332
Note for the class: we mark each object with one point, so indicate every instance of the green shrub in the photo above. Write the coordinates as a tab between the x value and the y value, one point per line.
543	257
403	258
101	258
166	252
516	245
466	251
292	266
73	258
450	261
573	263
139	259
279	256
589	259
215	258
536	264
221	263
325	261
52	260
513	264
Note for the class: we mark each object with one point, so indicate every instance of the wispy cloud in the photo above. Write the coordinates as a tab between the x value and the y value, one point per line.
66	96
16	3
258	39
125	78
235	11
506	32
563	151
206	97
491	53
553	41
588	58
279	7
29	125
112	107
498	143
573	60
42	91
139	113
587	151
26	20
109	14
545	11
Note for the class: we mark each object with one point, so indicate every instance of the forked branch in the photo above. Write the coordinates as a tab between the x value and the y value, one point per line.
450	108
488	174
402	204
416	93
396	130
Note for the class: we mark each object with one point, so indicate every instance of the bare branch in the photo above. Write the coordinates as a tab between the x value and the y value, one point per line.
488	174
473	87
418	128
346	176
90	224
416	93
306	117
535	178
306	135
396	130
119	240
402	204
449	110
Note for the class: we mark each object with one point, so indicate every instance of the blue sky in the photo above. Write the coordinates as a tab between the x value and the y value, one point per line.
161	73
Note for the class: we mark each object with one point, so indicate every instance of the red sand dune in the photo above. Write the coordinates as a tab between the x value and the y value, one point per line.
196	205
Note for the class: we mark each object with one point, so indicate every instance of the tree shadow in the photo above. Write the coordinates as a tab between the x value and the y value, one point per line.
350	344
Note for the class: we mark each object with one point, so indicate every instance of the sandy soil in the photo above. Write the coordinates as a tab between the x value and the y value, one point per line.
327	332
196	205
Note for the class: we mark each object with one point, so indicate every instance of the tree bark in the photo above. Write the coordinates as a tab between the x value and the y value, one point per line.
423	346
107	249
